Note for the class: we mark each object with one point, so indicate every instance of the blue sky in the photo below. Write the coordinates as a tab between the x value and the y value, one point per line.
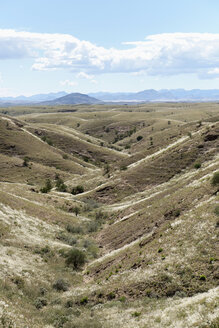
106	45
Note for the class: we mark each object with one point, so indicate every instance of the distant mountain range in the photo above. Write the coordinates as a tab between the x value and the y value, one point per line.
35	98
151	95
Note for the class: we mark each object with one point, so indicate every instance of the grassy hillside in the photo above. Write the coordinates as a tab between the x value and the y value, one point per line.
109	216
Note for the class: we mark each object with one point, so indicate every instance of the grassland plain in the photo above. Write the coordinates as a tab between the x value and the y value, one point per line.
109	217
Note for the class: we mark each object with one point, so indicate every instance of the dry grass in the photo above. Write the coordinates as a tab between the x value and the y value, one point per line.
147	221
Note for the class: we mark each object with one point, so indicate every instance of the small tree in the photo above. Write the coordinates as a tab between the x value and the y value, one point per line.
77	190
139	138
75	258
60	186
47	187
26	161
76	210
215	179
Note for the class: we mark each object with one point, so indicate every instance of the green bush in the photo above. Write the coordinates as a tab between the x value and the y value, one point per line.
48	140
93	226
215	179
216	210
60	186
77	190
74	228
139	138
47	188
111	296
26	161
75	210
202	277
61	285
84	300
123	168
197	165
75	258
40	303
90	205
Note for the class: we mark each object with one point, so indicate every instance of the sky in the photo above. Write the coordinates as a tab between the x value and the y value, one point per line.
107	45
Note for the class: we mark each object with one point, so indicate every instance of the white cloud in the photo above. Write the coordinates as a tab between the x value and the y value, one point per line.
161	54
68	83
86	76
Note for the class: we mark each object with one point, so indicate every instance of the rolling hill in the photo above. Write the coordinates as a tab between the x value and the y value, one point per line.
71	99
109	216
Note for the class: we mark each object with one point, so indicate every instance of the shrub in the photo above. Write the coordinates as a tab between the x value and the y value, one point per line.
40	303
106	169
189	134
75	258
111	296
215	179
197	165
90	205
99	215
216	210
202	277
122	299
77	190
26	161
61	285
84	300
48	140
74	229
69	239
75	210
139	138
136	314
92	226
69	304
47	187
60	186
65	156
123	168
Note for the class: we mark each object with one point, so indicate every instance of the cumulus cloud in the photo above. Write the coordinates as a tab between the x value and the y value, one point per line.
161	54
